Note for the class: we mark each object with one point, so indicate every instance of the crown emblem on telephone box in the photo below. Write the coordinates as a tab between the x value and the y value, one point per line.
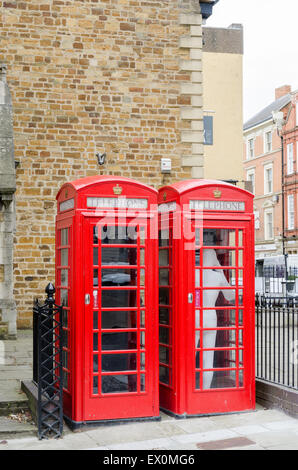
217	193
117	190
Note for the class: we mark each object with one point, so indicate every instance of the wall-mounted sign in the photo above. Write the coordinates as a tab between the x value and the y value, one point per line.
66	205
237	206
117	202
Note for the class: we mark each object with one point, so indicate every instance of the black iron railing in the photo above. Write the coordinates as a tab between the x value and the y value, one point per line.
275	281
47	365
277	342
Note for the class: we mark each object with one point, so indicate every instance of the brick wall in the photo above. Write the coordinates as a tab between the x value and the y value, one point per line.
85	77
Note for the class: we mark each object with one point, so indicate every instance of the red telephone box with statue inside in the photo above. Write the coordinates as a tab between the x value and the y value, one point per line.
206	298
106	278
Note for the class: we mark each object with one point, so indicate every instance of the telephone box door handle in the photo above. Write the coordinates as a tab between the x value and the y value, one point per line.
87	299
190	298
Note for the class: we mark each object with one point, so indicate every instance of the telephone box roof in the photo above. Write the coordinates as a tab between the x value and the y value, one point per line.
88	181
187	185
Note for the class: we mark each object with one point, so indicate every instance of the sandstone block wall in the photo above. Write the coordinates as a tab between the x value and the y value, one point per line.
114	76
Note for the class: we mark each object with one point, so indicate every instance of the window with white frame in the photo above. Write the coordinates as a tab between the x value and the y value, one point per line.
268	179
250	148
268	224
250	176
268	142
291	212
296	113
290	159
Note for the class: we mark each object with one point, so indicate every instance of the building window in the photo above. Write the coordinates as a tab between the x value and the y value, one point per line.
257	220
268	179
291	212
250	148
268	224
250	176
290	159
208	130
268	142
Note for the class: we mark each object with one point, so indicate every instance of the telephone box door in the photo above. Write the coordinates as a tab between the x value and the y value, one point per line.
221	328
120	337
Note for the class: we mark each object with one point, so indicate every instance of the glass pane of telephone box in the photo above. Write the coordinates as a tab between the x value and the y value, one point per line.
118	319
119	383
219	237
119	277
226	318
225	339
221	359
118	256
95	363
64	297
119	235
164	277
64	236
95	256
119	298
219	297
164	296
164	335
164	316
64	256
219	379
164	355
119	341
118	362
164	375
164	237
142	277
163	257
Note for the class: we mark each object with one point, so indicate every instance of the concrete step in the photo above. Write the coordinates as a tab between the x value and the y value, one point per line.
8	407
16	425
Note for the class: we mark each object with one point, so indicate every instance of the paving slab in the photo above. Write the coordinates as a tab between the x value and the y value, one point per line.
112	435
249	429
205	436
197	424
275	438
281	425
168	435
260	416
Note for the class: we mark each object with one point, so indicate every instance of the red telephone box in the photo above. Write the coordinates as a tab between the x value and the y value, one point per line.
106	277
206	298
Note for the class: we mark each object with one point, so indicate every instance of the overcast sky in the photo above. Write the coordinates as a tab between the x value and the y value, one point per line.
270	46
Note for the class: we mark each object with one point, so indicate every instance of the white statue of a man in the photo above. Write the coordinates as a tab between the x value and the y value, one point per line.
211	278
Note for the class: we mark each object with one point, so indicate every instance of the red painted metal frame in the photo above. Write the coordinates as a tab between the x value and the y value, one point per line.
80	405
182	398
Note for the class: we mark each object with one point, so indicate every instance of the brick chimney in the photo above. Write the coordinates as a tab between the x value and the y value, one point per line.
282	91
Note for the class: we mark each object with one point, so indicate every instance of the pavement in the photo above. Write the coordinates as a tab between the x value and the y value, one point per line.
15	365
263	429
259	430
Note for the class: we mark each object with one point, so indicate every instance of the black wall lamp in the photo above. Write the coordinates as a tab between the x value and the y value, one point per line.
101	158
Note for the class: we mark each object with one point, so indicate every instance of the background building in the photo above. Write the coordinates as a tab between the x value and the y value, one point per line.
117	78
264	150
222	102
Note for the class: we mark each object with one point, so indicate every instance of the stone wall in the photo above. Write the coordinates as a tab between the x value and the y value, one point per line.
7	211
115	76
